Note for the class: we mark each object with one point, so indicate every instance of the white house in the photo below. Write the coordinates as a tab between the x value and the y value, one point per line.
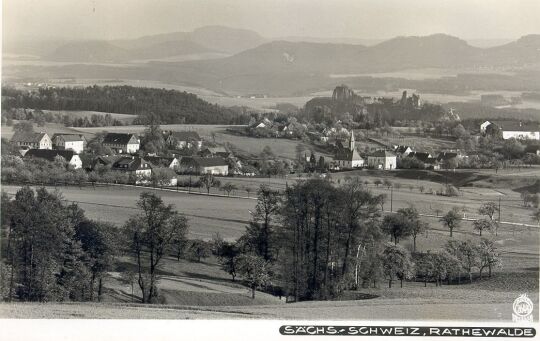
69	142
31	140
204	165
382	159
121	143
137	167
183	139
513	129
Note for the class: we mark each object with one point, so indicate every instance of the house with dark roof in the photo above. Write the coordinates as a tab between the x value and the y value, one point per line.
51	155
184	139
136	167
445	156
73	142
32	140
427	159
347	158
104	161
204	165
163	162
402	150
512	129
121	143
424	157
218	151
382	159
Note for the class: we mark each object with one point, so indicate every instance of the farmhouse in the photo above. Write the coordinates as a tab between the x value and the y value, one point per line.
215	152
429	161
264	123
121	143
204	165
424	157
184	139
51	155
104	161
32	140
134	166
69	142
402	150
163	162
382	159
512	129
348	158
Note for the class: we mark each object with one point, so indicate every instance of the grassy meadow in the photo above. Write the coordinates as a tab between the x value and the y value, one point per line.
202	290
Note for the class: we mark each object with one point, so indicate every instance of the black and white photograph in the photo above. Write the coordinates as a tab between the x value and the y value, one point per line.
269	167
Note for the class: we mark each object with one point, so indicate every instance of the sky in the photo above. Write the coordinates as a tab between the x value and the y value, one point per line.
373	19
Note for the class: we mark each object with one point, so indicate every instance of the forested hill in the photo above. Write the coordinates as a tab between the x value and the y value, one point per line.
170	106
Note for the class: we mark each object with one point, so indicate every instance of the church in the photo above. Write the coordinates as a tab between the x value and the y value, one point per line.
348	157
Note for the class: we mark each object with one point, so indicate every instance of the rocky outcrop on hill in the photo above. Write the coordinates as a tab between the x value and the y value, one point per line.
343	93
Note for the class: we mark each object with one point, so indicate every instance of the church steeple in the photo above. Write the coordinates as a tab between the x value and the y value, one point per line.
351	141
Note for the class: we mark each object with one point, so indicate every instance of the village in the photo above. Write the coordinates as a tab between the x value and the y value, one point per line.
333	147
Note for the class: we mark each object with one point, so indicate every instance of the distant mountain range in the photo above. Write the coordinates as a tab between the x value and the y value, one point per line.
208	39
243	62
277	64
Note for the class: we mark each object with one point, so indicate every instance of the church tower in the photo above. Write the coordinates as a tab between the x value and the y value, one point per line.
351	141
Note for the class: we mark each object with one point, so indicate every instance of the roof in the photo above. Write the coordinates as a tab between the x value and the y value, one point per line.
383	153
420	156
160	161
21	136
118	138
446	156
347	155
216	150
69	137
203	161
402	149
105	160
131	164
186	136
517	125
50	154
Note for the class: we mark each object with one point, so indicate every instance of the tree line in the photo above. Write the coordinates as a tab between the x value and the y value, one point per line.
170	105
40	117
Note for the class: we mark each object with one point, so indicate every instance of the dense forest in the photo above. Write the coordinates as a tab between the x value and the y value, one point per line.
171	106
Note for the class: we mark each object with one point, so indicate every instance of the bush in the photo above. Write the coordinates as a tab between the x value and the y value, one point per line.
451	191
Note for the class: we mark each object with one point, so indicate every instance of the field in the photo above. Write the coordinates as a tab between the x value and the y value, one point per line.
283	148
205	130
49	128
203	291
418	143
207	214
